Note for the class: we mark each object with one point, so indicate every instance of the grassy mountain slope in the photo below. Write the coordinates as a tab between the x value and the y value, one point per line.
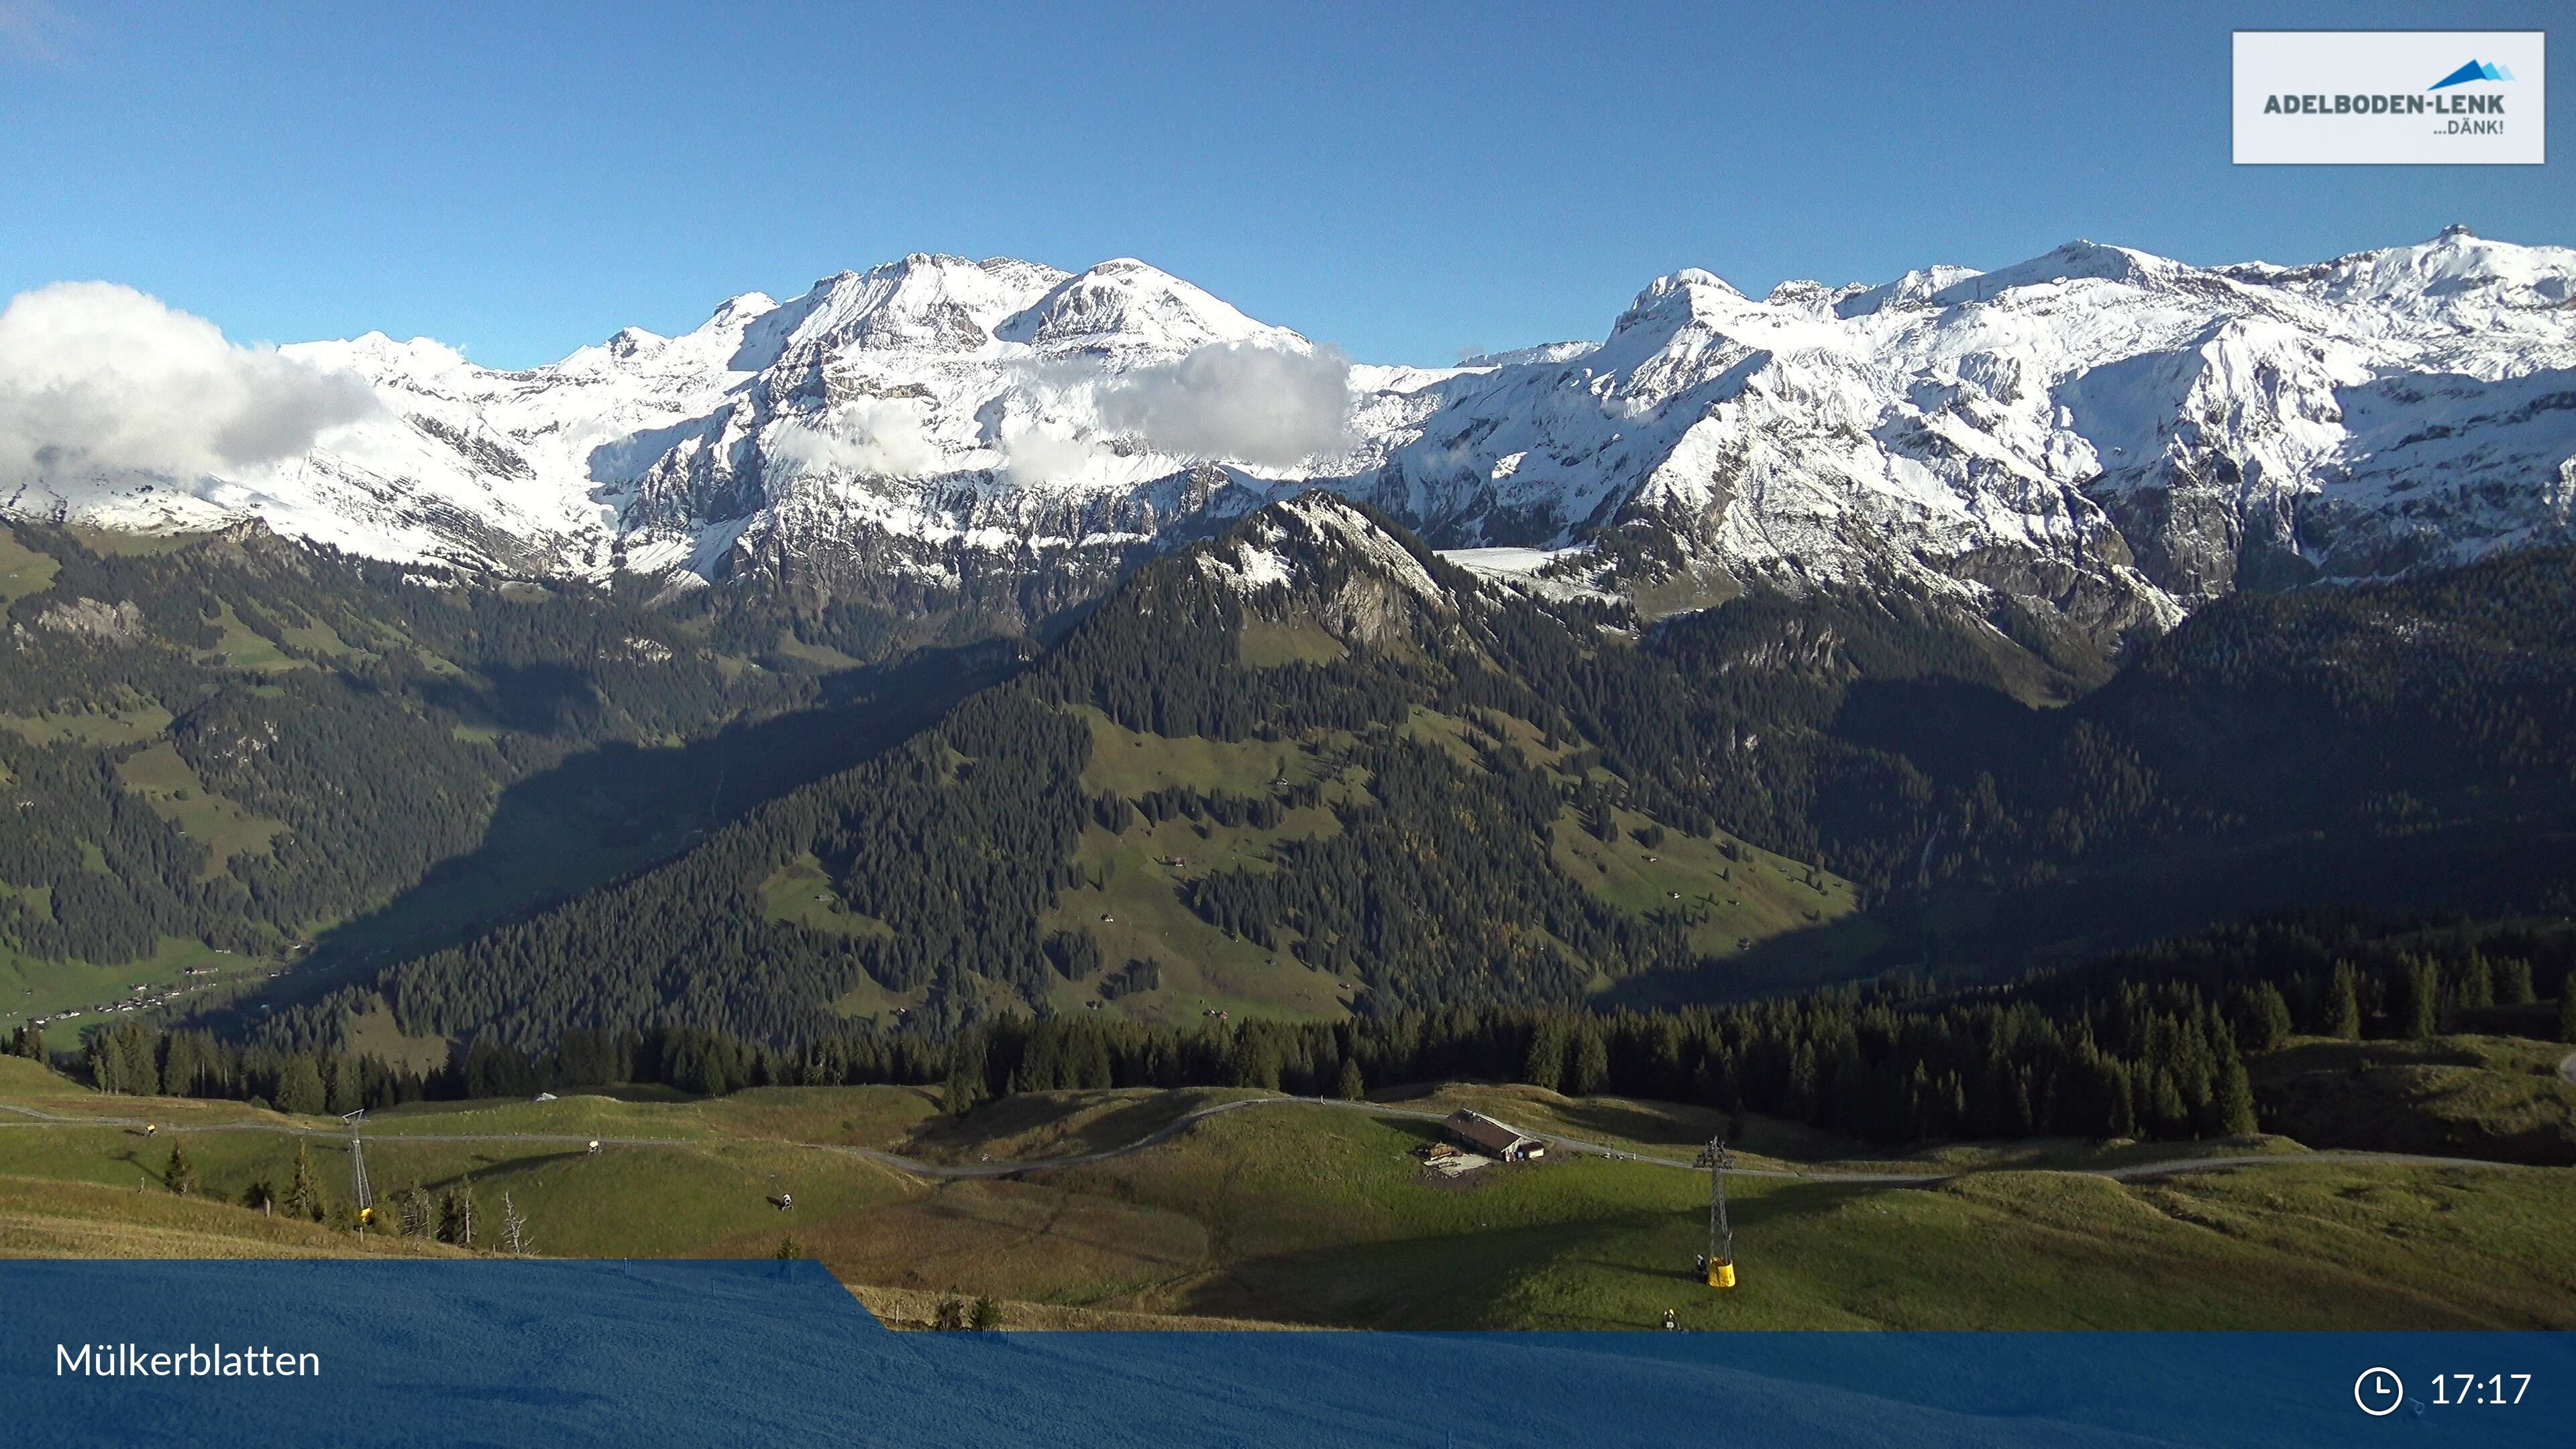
1303	1214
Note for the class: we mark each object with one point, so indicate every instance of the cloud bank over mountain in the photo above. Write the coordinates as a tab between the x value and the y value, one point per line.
102	380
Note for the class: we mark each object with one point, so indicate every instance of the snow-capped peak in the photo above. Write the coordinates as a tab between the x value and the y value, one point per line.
1124	304
923	302
2457	265
2112	435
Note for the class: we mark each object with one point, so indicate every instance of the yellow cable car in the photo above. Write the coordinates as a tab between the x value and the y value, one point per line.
1717	1265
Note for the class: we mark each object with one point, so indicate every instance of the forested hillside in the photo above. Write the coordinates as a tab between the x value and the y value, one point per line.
1310	769
216	751
2173	1041
1304	771
1317	789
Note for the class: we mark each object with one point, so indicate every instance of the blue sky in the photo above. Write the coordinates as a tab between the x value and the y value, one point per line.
521	179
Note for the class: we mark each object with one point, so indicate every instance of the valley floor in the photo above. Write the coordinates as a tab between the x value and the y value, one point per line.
1125	1209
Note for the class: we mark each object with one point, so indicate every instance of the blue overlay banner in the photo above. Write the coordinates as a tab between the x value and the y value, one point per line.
638	1354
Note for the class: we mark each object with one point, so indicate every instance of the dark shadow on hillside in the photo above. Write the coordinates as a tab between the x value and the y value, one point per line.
1597	1119
1473	1278
1848	948
621	808
1122	1126
2489	867
2482	866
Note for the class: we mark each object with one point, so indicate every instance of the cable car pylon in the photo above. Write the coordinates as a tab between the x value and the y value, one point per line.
1717	1265
358	1172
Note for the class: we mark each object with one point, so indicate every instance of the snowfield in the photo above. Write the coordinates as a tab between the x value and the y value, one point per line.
2109	435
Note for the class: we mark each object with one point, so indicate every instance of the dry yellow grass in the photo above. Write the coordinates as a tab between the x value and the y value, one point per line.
40	1218
914	1308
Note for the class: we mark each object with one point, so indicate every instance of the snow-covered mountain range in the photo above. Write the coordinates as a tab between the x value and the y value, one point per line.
2112	436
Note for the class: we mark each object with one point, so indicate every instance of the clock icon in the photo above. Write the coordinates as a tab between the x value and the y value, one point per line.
2379	1392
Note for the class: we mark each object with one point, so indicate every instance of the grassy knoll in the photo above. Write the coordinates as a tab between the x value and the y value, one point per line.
2466	1096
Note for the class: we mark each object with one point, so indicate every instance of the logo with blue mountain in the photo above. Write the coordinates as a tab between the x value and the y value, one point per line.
2475	70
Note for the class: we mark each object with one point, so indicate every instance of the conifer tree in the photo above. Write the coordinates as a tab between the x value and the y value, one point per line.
2268	1022
2343	1005
304	1189
181	1174
456	1214
961	1093
2513	982
2419	1013
2235	1102
1544	1065
299	1088
1351	1088
1591	1061
2477	981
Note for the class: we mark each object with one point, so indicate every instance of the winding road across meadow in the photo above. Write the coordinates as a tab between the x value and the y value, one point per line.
35	1117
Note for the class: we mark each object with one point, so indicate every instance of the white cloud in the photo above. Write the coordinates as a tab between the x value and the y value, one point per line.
1033	453
1238	401
99	379
865	437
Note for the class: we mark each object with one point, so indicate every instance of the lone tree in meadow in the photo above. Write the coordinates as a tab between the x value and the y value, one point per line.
304	1190
181	1174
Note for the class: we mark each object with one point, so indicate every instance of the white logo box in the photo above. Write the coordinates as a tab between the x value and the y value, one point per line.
2391	98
